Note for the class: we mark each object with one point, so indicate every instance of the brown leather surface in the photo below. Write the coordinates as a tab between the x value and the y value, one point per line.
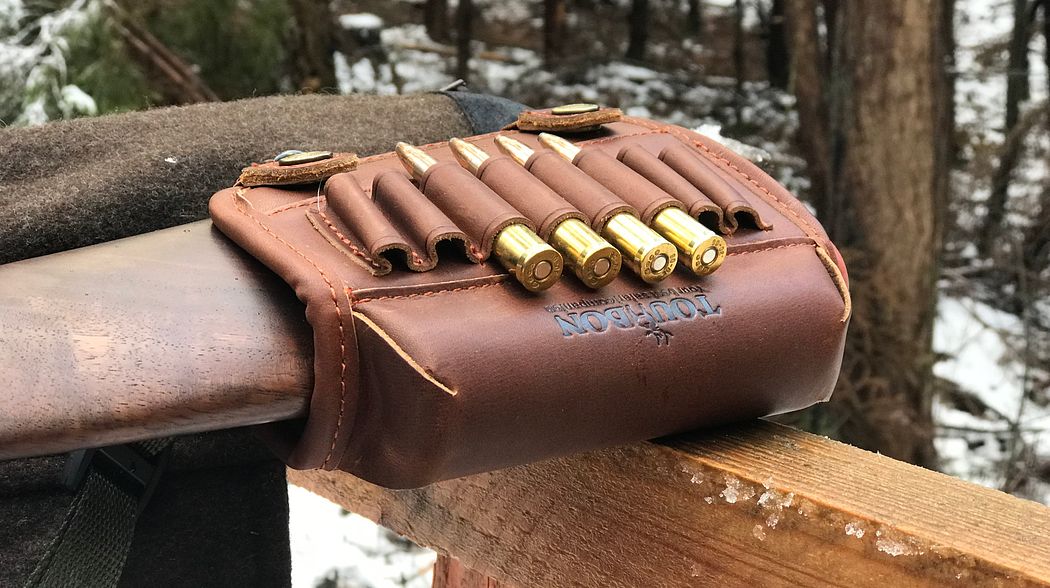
696	203
526	193
399	219
713	182
597	204
271	173
545	120
477	210
422	376
621	180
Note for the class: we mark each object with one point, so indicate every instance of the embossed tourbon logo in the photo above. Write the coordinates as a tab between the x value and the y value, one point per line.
652	313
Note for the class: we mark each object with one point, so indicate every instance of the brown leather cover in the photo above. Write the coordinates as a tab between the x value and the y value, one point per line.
528	194
546	120
696	203
597	204
427	375
722	188
647	198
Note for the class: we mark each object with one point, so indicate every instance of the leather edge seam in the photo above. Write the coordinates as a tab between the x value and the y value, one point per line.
415	365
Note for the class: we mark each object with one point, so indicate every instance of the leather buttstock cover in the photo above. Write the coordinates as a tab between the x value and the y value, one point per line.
431	362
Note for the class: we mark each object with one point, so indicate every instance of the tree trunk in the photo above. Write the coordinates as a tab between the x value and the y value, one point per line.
553	31
435	19
1046	40
778	58
1017	91
694	22
314	46
738	60
1018	68
638	30
464	31
887	165
808	70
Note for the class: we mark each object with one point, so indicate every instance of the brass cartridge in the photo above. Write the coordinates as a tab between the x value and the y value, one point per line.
701	248
592	259
645	252
534	263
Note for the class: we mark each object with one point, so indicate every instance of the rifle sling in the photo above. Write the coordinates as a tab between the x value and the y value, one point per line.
114	484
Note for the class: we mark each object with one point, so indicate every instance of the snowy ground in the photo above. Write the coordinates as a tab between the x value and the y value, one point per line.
336	549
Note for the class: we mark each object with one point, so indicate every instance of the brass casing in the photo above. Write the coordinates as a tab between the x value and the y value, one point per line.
644	251
701	248
594	261
564	148
517	150
468	155
530	259
415	160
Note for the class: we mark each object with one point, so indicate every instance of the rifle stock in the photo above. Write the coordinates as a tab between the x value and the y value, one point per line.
172	332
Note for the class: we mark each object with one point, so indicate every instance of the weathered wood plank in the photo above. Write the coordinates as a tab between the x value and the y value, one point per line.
758	504
449	572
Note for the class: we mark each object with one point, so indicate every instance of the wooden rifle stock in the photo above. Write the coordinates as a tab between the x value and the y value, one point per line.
172	332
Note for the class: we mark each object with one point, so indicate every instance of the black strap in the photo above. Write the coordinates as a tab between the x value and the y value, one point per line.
113	486
485	113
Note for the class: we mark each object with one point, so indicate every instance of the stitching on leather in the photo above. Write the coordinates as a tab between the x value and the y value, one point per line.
292	206
357	301
339	314
353	248
330	239
750	251
415	365
619	137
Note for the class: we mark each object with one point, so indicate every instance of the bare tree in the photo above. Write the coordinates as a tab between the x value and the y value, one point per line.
638	30
435	19
314	45
1018	67
739	63
554	15
809	69
694	21
464	33
1017	91
883	139
778	59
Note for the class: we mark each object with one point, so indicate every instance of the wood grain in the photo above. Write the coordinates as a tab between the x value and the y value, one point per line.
166	333
449	572
758	504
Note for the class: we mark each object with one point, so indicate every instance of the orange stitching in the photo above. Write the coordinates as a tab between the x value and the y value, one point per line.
618	137
357	301
353	248
748	251
427	293
292	206
338	313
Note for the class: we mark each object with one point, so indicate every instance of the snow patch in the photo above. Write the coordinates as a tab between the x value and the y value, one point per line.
360	21
855	530
759	532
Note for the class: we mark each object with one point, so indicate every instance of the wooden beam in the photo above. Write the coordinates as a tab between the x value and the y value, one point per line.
758	504
172	332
